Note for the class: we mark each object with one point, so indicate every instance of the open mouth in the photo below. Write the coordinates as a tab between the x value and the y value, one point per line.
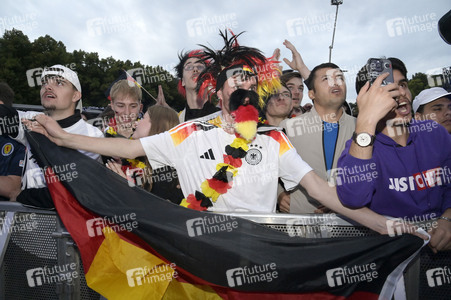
403	107
49	95
336	91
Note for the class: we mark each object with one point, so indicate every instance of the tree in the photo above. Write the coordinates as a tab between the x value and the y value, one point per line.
15	48
418	83
22	59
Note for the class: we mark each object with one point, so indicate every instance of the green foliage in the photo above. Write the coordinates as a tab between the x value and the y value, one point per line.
418	83
18	55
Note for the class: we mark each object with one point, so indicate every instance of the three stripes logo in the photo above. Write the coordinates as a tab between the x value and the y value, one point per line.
208	155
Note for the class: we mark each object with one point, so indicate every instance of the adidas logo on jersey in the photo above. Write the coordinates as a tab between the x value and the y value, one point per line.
208	155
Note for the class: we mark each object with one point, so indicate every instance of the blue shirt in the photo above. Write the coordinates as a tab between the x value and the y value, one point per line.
330	134
11	158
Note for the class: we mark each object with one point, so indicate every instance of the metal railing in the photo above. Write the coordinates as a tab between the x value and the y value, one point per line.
32	240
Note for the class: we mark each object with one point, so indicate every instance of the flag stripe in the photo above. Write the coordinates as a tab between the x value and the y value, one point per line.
168	232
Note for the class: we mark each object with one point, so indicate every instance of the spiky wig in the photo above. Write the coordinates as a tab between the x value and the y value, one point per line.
232	60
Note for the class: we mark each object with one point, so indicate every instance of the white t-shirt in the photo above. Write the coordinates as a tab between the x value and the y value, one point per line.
195	148
33	176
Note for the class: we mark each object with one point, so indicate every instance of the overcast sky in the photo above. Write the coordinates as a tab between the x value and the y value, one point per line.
153	32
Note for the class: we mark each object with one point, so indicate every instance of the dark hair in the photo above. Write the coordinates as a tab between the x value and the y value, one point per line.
287	76
6	94
311	79
420	109
362	76
183	57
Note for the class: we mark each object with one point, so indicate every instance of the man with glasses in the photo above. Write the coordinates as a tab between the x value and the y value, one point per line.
326	127
278	106
188	69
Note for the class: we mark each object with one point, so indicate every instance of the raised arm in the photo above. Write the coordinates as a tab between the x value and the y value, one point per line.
296	63
374	103
108	147
319	189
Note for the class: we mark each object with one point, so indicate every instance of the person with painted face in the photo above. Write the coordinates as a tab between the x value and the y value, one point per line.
188	70
233	166
162	182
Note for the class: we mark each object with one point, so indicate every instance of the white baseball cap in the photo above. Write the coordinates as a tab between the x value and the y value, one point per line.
66	73
429	95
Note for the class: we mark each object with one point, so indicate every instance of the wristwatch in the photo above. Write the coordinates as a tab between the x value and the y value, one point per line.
363	139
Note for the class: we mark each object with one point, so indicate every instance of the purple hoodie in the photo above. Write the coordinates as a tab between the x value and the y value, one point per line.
400	181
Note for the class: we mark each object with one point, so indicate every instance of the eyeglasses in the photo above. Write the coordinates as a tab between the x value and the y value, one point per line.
284	94
190	67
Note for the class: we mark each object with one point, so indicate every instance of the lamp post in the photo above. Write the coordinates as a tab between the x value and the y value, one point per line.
336	3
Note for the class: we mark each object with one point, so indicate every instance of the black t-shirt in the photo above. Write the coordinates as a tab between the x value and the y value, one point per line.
206	110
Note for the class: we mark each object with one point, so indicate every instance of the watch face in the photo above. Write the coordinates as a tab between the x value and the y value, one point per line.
363	139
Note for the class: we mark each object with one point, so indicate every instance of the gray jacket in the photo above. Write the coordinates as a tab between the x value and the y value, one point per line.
306	134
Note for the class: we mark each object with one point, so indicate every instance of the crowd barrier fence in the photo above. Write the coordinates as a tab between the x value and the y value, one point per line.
32	240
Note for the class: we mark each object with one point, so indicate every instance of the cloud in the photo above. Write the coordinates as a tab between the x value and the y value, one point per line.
155	32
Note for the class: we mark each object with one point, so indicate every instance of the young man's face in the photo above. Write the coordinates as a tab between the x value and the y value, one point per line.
403	113
329	88
296	87
438	110
280	104
191	70
232	84
126	109
58	94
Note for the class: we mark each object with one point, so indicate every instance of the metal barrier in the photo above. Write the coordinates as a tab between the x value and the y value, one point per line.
33	242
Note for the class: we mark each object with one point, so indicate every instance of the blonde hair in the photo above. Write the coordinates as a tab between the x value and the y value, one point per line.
162	119
125	88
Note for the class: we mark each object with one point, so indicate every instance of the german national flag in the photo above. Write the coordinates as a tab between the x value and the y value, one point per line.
135	245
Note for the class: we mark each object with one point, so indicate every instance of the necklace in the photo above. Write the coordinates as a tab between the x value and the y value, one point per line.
222	180
245	128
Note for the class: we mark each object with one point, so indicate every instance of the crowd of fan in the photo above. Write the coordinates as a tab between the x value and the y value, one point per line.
299	160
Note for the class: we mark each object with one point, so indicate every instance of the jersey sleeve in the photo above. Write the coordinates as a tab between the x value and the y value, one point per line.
160	150
292	168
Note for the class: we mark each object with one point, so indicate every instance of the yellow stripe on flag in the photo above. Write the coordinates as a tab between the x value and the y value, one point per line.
187	291
121	270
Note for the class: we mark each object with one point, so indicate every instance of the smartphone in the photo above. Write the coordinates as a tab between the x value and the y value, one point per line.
378	66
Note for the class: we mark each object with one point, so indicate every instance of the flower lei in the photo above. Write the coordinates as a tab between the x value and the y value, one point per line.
246	129
132	163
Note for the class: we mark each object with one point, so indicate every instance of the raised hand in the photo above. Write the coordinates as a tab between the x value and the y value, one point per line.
115	167
276	57
376	101
160	98
47	126
296	62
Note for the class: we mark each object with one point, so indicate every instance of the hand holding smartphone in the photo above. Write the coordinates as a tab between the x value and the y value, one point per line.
378	66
